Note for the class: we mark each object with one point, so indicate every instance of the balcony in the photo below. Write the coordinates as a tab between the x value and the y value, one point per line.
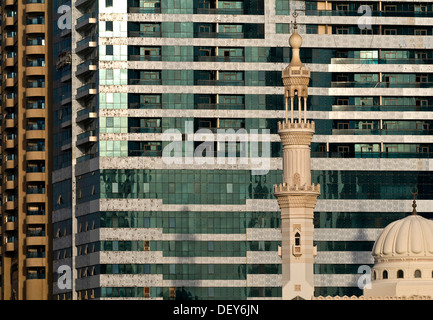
35	6
35	197
35	28
86	114
36	219
380	61
380	132
88	43
86	67
11	226
10	123
375	84
10	62
11	41
11	184
81	3
35	176
35	71
11	82
36	113
381	108
374	13
10	143
86	91
35	49
11	246
11	102
86	138
86	21
11	164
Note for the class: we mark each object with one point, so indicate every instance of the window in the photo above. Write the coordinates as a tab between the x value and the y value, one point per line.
418	8
172	293
109	26
422	149
417	273
420	32
400	274
385	274
147	292
343	125
390	8
297	239
108	3
390	32
146	245
109	50
343	149
366	125
342	30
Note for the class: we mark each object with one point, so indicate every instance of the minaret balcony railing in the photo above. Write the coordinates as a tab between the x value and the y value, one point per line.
310	125
285	188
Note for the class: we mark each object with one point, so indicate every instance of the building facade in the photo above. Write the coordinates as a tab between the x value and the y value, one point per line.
134	216
26	270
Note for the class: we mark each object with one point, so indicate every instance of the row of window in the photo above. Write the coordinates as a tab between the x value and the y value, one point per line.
183	271
183	293
400	274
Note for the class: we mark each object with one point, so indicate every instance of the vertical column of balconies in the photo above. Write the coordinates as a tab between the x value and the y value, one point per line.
86	77
36	161
25	158
9	152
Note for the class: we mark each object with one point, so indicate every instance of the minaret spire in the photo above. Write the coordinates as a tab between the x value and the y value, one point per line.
297	196
296	78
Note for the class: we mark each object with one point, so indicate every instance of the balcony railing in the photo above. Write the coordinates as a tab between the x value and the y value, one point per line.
380	61
375	84
374	13
381	108
412	155
144	130
381	132
220	106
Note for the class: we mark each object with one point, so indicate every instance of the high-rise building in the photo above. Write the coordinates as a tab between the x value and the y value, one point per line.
131	220
26	269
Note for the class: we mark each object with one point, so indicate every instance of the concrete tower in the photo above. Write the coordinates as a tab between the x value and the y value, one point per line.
297	196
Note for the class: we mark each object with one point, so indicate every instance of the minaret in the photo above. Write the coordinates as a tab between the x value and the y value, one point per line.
296	195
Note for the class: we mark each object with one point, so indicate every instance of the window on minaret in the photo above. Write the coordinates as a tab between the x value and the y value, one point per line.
400	274
297	239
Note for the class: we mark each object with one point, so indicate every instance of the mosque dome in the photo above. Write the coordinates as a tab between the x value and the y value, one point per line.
410	237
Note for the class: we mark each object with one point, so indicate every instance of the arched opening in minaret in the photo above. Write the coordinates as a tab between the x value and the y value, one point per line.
296	104
297	239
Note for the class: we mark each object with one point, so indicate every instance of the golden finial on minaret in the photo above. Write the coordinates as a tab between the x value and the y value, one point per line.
296	78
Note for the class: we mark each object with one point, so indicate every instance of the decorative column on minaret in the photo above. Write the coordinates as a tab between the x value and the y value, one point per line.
297	196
